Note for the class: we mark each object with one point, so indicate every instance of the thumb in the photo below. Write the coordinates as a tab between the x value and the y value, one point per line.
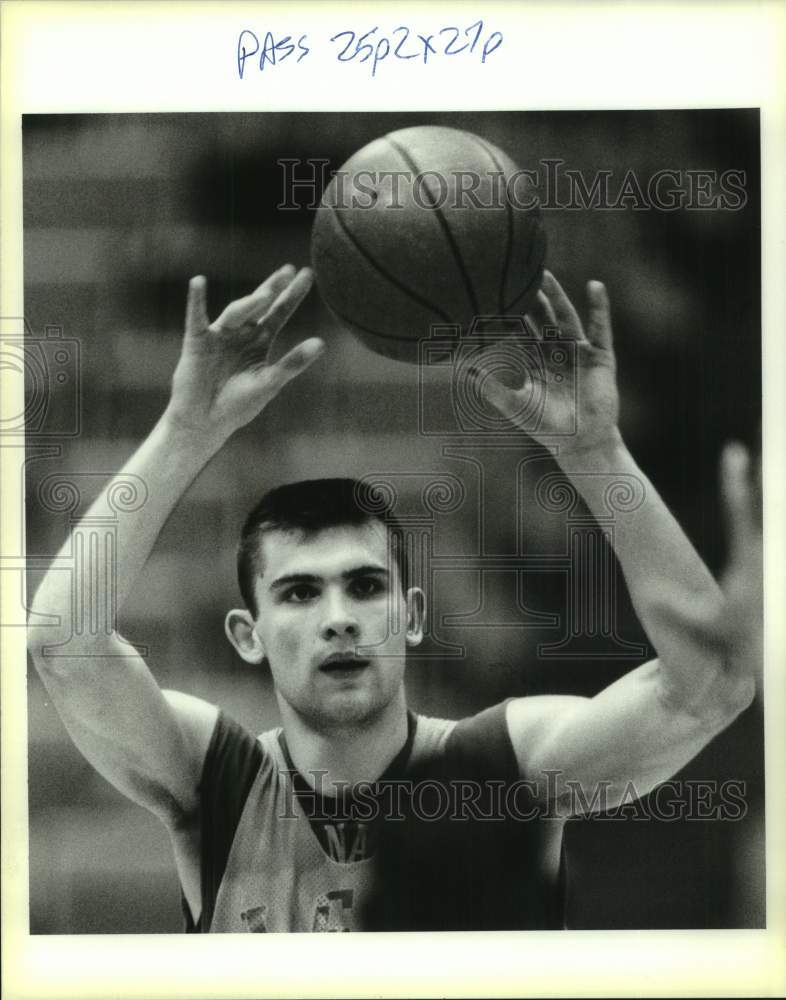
294	362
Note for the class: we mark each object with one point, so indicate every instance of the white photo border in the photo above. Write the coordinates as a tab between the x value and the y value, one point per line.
158	56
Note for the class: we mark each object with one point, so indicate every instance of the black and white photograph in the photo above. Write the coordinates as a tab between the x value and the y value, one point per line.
393	491
358	453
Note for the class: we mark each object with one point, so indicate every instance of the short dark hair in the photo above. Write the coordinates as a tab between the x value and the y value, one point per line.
311	506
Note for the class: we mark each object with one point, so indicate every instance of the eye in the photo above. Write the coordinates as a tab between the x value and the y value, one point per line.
366	586
300	593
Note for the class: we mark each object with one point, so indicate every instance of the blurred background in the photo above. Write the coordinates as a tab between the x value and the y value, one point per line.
121	210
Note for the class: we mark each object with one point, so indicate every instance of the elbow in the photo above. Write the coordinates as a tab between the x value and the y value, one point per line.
734	697
38	639
740	696
42	646
55	649
47	624
45	631
714	700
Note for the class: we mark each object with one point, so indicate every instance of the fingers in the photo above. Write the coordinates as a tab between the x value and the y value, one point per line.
541	314
196	307
553	307
566	316
256	353
738	501
294	362
599	318
260	300
251	307
288	300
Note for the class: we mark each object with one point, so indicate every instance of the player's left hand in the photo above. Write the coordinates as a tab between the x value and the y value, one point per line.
742	581
581	404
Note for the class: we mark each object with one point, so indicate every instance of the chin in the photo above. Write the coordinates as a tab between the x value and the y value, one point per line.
347	711
350	708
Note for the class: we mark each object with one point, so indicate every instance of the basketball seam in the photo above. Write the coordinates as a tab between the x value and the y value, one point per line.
374	333
383	272
536	278
509	222
443	223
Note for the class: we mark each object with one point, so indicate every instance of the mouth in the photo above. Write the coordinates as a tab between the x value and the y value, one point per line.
343	665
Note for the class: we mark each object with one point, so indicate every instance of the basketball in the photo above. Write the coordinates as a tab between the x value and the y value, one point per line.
423	227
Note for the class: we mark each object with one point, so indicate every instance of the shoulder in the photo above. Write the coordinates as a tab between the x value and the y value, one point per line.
431	736
197	720
233	757
533	721
231	762
226	754
215	740
476	745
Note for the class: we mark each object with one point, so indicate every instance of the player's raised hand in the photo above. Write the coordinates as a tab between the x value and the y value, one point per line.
580	402
732	631
224	378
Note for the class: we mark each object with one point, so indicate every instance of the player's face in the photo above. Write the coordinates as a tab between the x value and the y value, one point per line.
329	611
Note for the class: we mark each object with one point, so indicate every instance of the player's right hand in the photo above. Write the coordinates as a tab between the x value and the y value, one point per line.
224	378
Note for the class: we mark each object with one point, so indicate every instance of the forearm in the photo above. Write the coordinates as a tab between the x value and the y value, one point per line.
148	743
166	464
661	568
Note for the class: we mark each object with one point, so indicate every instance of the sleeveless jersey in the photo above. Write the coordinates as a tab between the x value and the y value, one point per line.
431	869
278	876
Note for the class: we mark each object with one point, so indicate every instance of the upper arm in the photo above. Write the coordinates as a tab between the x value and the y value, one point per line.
593	752
197	720
149	744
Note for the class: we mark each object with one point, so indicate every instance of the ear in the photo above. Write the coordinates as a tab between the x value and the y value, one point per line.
416	615
240	630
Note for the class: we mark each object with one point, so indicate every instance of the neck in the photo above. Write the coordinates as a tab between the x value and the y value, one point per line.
345	753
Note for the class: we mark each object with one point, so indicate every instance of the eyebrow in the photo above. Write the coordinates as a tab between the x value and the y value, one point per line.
350	574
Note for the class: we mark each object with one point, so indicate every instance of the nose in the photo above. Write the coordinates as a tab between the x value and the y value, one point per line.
338	619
